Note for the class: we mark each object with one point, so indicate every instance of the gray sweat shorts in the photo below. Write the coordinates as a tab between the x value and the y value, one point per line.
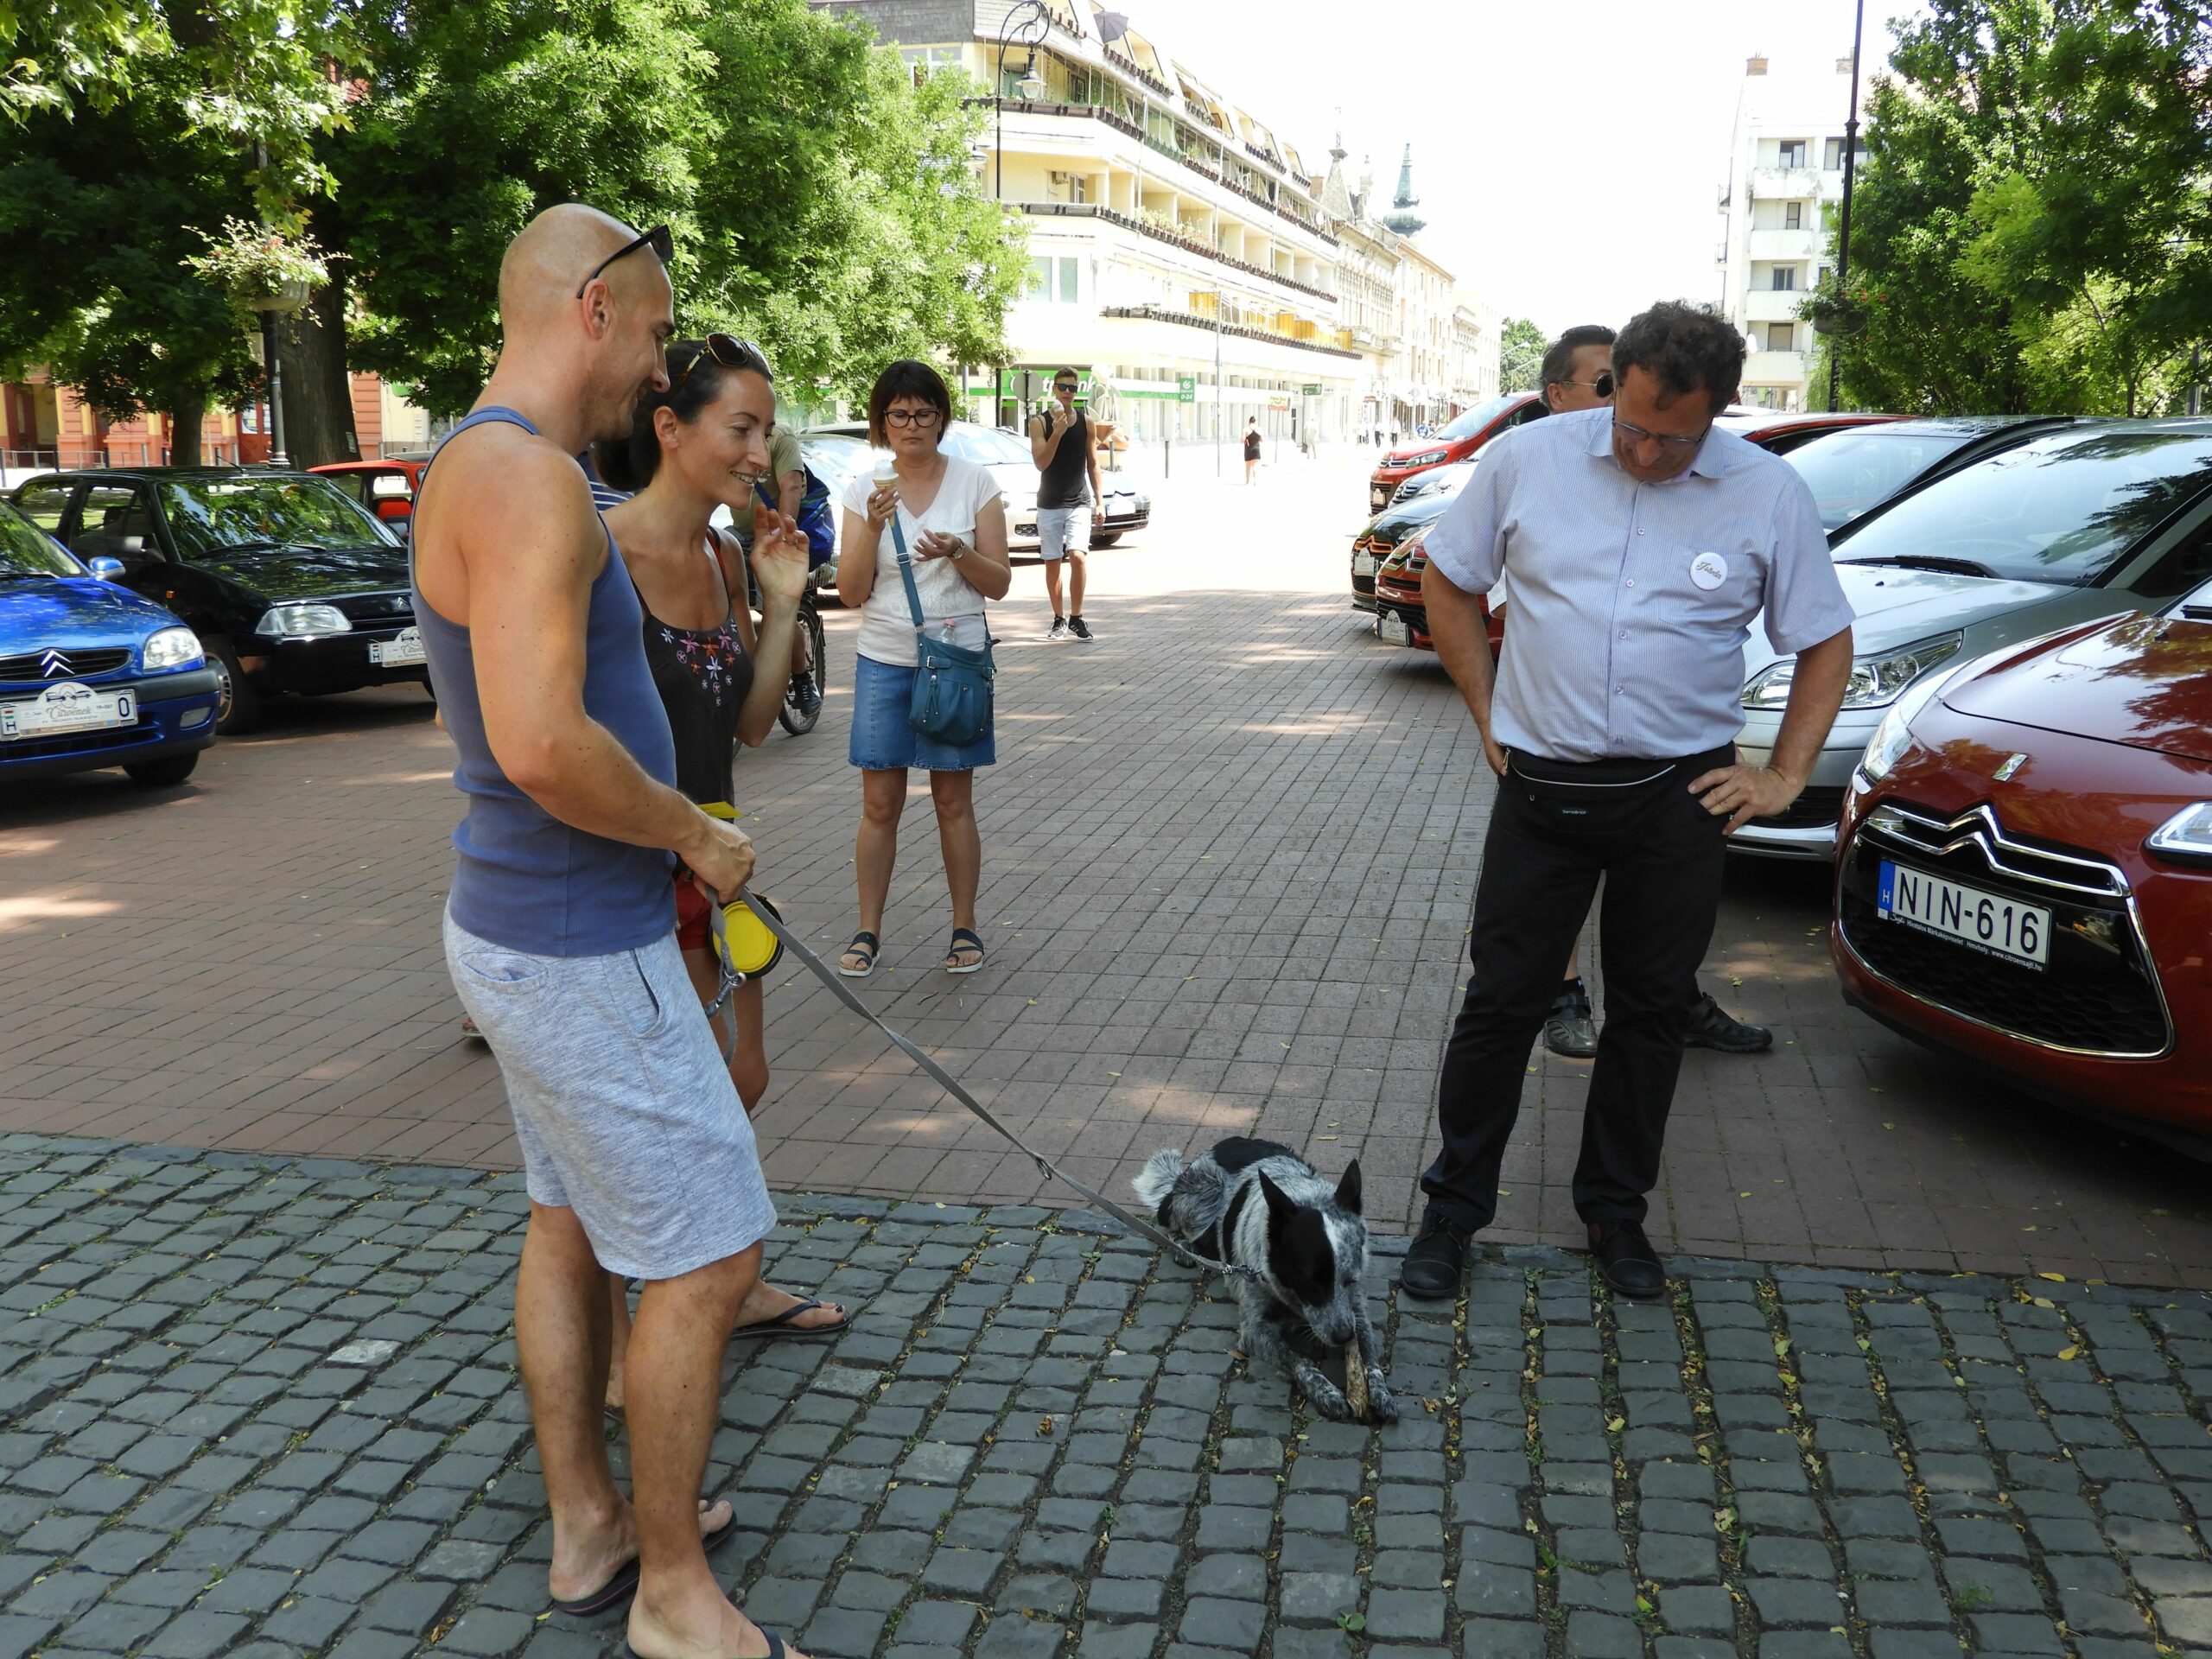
624	1109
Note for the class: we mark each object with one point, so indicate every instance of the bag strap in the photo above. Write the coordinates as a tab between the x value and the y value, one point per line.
906	573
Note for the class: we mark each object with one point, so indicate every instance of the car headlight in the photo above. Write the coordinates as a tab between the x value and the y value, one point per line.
170	648
2187	836
1412	554
1876	678
291	621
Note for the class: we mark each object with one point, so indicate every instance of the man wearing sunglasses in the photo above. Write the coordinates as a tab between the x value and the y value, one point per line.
1069	490
1578	373
560	932
1640	546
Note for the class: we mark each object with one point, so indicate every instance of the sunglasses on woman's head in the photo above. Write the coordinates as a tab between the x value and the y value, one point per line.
657	239
729	352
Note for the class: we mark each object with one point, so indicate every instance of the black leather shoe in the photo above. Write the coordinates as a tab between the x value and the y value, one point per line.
1626	1258
1571	1028
1435	1260
1710	1026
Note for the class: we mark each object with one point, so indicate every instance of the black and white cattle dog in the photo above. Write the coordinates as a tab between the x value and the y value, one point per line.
1262	1207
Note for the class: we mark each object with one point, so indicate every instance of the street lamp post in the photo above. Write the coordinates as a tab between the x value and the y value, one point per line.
1035	25
1843	230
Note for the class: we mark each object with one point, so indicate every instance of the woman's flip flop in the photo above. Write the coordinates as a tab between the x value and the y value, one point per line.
964	938
864	945
781	1325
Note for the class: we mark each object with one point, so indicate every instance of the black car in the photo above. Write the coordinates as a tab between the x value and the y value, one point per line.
1386	529
290	585
1862	467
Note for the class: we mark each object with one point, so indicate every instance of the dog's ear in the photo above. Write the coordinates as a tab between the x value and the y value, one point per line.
1348	1188
1281	1210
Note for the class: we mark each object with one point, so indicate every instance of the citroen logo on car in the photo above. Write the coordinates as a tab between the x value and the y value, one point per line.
2004	774
54	665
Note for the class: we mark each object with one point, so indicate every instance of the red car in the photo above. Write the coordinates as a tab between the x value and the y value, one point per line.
387	488
2025	868
1466	434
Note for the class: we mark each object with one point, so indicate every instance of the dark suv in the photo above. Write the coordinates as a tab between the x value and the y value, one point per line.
290	585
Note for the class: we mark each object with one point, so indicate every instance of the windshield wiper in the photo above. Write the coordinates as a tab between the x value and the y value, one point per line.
1928	561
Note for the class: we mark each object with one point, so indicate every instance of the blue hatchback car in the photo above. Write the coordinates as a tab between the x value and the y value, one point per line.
91	675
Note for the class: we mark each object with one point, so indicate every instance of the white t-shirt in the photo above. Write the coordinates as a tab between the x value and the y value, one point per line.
886	620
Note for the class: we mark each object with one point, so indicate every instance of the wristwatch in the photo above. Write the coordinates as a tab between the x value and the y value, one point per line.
959	551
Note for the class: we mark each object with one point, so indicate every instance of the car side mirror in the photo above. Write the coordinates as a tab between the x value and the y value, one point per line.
106	569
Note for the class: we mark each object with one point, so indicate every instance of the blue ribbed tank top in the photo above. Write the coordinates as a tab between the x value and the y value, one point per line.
524	879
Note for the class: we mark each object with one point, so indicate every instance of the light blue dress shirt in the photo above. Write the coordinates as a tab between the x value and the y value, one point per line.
1631	602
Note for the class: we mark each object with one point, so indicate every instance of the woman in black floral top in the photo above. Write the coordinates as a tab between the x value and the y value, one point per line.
699	445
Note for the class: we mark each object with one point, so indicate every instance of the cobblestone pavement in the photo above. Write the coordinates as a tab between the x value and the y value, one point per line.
1228	856
266	1408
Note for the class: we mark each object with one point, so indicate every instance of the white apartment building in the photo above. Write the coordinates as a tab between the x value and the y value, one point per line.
1785	183
1169	229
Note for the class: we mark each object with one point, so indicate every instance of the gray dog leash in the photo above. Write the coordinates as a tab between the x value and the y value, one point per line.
951	1085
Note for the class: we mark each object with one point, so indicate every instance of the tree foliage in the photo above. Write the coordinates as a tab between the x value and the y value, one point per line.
1520	355
2031	229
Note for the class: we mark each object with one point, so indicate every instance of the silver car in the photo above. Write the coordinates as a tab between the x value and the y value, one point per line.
2086	522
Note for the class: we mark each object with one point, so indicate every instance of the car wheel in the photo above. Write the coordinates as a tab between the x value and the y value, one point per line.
239	706
169	770
1106	541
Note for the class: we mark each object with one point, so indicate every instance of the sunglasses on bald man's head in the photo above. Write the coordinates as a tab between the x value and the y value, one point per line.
657	239
729	352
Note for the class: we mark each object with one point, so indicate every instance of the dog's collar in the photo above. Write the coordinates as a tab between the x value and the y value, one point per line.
1225	1228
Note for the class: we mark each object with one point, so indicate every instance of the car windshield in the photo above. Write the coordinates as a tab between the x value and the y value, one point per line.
836	461
1853	470
215	514
1478	417
2061	510
27	551
985	444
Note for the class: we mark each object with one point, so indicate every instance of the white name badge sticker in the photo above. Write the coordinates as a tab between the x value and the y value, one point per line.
1708	570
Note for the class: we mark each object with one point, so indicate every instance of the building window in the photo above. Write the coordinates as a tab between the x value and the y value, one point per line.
1053	280
1785	279
1832	159
1793	215
926	60
1793	152
1782	336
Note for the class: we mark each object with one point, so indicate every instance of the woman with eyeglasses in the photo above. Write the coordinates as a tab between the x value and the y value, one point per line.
954	524
701	444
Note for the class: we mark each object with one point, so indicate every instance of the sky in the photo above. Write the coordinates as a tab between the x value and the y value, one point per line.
1568	153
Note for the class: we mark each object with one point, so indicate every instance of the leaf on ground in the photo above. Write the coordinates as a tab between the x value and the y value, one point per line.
2069	1351
2055	1278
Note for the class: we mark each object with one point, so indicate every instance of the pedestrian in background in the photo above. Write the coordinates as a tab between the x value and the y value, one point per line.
953	522
560	932
784	488
1578	373
1065	446
1251	449
1640	544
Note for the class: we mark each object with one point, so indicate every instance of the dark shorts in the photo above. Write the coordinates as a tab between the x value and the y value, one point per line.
693	914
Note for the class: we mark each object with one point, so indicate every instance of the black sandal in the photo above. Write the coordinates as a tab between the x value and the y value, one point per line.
974	943
864	945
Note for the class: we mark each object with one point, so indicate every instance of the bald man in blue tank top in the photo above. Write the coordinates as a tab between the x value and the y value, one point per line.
560	935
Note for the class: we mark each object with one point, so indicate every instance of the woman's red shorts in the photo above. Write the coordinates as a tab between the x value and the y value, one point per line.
692	916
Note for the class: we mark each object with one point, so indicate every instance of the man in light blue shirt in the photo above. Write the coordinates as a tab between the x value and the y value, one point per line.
1640	545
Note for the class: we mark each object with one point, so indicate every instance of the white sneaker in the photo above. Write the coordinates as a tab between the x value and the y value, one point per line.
1060	628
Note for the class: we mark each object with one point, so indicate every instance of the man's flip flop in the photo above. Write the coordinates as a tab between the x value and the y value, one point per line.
624	1585
781	1325
775	1646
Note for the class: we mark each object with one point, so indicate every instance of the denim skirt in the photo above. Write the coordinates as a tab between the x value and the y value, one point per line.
883	738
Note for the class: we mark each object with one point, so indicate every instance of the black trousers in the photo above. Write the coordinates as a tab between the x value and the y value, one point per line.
1555	831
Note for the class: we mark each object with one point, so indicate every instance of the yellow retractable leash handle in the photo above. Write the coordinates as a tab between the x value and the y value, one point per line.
744	947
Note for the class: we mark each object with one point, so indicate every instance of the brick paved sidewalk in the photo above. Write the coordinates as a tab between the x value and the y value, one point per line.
265	1408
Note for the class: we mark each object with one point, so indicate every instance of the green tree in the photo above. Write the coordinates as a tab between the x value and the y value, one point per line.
101	211
2030	230
1520	355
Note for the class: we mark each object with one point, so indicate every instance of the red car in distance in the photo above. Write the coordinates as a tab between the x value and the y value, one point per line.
2024	868
387	488
1467	432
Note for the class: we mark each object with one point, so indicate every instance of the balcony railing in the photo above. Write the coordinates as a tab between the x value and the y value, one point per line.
1152	312
1122	125
1146	227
